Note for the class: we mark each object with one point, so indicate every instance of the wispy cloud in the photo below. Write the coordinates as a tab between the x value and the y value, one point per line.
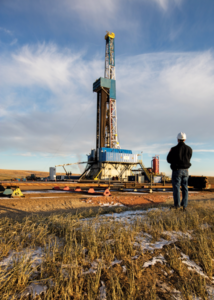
162	94
165	4
161	148
108	14
204	150
7	31
14	41
196	160
27	154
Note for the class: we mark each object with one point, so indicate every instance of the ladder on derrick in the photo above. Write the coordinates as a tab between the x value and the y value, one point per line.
148	175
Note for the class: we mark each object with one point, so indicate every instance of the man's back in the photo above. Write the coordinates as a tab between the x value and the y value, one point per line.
179	156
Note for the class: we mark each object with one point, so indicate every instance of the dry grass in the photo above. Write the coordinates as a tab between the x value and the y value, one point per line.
11	174
71	246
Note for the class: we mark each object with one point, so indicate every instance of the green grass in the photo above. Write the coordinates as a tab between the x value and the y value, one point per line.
70	245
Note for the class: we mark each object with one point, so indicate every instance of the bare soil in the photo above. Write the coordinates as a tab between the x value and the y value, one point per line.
53	202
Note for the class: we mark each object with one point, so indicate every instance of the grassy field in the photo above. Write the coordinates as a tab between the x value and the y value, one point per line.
154	254
11	174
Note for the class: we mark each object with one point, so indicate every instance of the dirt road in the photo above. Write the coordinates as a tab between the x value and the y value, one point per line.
49	202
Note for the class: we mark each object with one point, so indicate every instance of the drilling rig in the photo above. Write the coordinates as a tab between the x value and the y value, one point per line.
108	160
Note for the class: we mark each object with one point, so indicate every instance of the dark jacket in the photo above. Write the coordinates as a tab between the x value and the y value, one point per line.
179	156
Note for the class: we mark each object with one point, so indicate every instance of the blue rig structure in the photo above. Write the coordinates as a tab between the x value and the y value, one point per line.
108	160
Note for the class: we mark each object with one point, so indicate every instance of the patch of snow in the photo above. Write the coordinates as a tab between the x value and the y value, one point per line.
173	292
184	256
130	213
192	266
94	267
154	260
111	204
147	235
124	269
34	290
177	234
111	241
35	257
205	226
102	289
145	243
176	295
210	291
116	262
135	257
196	298
164	272
65	274
44	192
90	271
51	283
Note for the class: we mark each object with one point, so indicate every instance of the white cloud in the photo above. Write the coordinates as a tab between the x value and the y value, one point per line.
14	41
164	4
28	154
42	65
7	31
196	160
161	148
46	65
162	94
95	8
204	150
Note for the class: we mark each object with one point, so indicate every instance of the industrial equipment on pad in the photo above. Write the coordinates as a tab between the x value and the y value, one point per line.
108	160
12	191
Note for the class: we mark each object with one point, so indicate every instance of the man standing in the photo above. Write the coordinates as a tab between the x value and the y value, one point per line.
179	158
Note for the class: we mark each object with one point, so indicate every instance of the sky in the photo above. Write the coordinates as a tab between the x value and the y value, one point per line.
52	51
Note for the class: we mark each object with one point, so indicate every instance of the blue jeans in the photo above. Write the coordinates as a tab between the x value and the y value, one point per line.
180	178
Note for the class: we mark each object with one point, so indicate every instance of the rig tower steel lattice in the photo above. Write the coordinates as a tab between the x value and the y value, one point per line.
106	99
110	74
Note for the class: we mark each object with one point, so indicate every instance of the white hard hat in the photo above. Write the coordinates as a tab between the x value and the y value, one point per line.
181	136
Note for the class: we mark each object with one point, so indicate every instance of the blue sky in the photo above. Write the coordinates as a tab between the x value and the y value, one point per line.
51	52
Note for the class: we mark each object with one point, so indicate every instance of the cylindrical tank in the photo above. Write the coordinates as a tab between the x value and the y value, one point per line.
155	164
52	173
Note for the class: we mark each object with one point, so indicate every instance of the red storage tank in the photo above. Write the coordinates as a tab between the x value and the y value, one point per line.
155	164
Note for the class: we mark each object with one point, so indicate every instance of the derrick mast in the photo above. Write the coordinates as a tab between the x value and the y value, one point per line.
110	74
110	56
106	128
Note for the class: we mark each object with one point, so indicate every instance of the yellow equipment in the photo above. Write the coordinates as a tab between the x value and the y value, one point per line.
12	191
109	34
96	177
